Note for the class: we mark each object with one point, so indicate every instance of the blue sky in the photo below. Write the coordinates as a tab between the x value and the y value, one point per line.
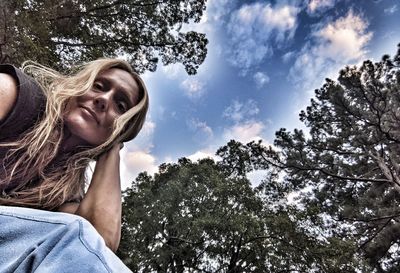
264	60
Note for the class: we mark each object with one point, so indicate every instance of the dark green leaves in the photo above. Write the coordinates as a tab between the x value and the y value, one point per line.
63	33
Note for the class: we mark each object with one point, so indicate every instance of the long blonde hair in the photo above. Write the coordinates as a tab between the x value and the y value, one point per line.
41	183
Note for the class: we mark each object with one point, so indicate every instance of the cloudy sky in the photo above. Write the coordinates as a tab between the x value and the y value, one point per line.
264	60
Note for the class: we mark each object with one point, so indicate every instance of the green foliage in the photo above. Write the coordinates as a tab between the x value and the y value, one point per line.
346	170
300	229
63	33
192	218
201	217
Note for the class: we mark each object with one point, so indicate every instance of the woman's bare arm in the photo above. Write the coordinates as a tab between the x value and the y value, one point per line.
101	205
8	94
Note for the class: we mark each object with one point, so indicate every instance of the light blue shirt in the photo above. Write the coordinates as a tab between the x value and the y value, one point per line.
41	241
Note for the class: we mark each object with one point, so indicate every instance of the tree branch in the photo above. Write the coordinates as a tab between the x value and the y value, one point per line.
120	40
359	179
373	236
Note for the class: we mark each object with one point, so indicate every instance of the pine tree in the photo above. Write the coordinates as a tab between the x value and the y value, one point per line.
63	33
346	169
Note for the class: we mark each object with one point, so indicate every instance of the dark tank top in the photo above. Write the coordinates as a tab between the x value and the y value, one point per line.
27	110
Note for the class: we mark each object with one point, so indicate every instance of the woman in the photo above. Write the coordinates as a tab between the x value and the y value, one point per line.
48	136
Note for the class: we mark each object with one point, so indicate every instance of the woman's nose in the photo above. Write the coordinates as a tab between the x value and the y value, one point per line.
101	102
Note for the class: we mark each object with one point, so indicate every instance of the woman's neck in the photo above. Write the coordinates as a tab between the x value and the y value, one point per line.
71	143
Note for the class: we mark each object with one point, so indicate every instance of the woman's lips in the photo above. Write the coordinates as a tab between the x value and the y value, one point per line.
91	113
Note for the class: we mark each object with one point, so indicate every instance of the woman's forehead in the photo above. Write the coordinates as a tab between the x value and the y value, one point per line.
123	80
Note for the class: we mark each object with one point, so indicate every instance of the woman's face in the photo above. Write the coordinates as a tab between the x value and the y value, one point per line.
90	117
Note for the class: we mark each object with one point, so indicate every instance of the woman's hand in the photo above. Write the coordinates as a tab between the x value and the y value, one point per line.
111	154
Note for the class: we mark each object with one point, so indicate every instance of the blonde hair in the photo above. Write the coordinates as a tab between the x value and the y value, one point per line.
41	182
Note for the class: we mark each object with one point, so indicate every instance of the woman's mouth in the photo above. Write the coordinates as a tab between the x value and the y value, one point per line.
91	113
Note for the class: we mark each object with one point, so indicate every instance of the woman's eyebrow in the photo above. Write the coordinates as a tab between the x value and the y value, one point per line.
124	89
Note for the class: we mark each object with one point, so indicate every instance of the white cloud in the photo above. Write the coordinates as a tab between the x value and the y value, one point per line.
334	45
148	128
238	111
287	56
203	132
245	127
308	67
391	9
168	159
203	154
245	132
255	176
144	140
134	163
261	79
344	39
136	156
282	18
254	28
173	71
217	9
247	54
193	88
318	5
140	161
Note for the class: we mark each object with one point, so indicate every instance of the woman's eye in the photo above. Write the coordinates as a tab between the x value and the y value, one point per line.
98	86
122	107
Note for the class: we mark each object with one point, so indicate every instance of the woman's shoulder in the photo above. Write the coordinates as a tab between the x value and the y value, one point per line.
25	102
